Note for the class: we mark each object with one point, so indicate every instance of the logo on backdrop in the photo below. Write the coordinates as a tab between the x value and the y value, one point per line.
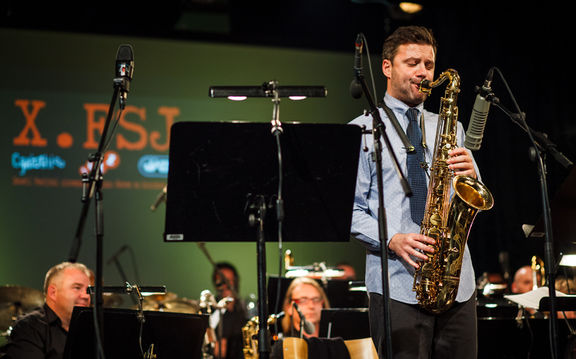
136	154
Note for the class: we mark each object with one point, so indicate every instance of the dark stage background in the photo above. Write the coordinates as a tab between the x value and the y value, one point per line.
529	42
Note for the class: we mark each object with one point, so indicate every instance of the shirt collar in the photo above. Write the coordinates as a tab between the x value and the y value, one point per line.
398	106
51	317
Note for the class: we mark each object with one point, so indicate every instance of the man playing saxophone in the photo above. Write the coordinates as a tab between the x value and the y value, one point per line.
409	57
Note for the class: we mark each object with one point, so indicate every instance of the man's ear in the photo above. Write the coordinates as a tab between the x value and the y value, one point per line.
51	292
386	68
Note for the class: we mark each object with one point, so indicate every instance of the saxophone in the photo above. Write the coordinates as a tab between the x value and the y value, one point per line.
250	336
447	221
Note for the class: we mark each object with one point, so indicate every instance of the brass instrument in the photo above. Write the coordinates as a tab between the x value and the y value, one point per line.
447	221
537	266
250	336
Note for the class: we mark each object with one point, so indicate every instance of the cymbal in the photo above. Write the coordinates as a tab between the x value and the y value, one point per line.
180	306
23	297
154	302
15	301
151	305
160	297
111	300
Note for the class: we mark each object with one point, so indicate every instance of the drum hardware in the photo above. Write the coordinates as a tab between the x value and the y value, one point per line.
16	301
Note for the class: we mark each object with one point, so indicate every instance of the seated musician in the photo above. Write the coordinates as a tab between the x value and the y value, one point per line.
42	334
226	280
309	297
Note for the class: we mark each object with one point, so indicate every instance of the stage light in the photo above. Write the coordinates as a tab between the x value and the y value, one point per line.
410	7
237	98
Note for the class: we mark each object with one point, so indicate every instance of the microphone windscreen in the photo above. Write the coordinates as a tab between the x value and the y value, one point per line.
125	53
309	328
355	89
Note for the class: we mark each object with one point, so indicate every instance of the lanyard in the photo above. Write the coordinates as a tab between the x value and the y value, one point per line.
407	145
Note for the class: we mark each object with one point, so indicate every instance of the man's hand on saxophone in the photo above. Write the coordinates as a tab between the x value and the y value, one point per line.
411	245
461	162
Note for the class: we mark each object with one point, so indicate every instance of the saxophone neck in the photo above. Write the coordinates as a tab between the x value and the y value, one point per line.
426	86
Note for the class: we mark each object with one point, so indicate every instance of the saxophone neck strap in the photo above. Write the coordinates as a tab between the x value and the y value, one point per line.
401	133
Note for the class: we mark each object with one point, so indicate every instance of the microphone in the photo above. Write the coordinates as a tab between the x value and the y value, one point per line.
159	199
479	115
359	45
117	254
309	328
355	86
124	70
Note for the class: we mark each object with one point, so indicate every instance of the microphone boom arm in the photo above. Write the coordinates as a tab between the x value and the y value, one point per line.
540	139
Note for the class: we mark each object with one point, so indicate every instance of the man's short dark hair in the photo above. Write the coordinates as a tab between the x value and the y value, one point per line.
407	35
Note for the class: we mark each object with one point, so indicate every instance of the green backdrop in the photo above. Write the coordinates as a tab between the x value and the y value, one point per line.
55	89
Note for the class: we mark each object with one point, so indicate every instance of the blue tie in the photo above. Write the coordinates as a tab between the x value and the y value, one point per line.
416	175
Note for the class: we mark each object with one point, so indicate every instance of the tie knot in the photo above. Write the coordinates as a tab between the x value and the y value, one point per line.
412	114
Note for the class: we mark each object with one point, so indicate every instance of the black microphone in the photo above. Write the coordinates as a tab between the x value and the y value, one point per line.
479	115
117	254
355	86
124	70
308	327
159	199
359	45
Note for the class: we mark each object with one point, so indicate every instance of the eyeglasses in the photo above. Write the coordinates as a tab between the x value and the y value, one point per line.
306	300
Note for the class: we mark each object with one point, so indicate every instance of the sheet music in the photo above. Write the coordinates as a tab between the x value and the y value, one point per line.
531	299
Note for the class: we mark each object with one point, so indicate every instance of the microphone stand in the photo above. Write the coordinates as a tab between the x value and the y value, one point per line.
547	145
378	130
92	187
538	139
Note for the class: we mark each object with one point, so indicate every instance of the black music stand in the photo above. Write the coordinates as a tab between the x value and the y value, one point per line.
346	323
563	211
174	335
223	180
215	167
562	304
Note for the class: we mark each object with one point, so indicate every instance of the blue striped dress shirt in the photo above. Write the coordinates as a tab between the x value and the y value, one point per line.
365	214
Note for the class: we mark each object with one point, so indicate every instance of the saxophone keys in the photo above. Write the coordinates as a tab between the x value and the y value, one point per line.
435	219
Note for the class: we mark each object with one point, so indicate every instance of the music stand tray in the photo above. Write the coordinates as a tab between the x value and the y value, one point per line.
216	167
174	335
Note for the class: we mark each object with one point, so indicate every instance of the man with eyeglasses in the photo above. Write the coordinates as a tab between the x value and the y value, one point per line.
306	295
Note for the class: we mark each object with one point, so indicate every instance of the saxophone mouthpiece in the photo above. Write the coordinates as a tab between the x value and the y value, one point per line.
425	87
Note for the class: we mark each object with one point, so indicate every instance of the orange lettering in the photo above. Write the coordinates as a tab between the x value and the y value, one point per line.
93	124
22	139
122	142
169	113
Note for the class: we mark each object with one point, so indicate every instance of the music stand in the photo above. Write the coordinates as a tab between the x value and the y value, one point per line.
174	335
346	323
214	167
